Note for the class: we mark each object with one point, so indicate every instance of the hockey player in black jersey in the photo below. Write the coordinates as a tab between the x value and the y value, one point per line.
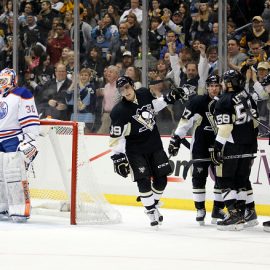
237	135
198	114
136	143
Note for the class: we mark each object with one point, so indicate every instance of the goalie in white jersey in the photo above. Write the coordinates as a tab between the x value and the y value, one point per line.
19	126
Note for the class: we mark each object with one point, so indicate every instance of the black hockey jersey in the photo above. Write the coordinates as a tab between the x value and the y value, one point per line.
231	111
201	108
136	122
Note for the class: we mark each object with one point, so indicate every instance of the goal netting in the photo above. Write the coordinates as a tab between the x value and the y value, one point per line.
61	180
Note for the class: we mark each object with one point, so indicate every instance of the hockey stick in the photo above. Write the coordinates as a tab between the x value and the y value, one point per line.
199	160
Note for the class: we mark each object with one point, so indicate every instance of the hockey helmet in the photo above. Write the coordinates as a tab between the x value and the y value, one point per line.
123	80
212	79
233	80
266	80
8	79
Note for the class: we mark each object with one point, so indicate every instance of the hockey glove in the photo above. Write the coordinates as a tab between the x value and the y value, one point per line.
172	96
27	147
216	153
121	165
174	145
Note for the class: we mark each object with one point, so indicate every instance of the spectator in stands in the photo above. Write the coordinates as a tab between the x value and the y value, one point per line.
68	20
84	35
105	33
171	38
195	49
114	12
127	60
256	54
257	31
6	54
45	17
94	60
28	9
134	28
55	47
86	100
8	12
135	9
30	34
110	98
64	56
124	42
50	98
70	64
171	22
135	74
214	35
154	9
95	9
44	71
266	15
155	39
53	32
186	21
235	57
203	23
32	60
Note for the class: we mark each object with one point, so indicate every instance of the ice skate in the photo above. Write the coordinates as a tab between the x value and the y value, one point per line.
217	213
160	216
19	219
232	222
153	216
266	226
250	218
201	213
4	215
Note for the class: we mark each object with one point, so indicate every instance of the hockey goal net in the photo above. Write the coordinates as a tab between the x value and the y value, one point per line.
61	180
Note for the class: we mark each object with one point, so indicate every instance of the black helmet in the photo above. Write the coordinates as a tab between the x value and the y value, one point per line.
266	80
233	80
213	79
124	80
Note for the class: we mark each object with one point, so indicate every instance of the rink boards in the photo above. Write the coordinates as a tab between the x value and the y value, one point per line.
178	194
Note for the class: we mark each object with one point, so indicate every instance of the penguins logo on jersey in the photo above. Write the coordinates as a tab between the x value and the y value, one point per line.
146	117
3	109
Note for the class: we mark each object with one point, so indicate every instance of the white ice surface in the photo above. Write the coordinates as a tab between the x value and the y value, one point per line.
50	243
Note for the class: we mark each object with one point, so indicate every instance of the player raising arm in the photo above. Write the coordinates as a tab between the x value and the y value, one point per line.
198	114
136	143
19	126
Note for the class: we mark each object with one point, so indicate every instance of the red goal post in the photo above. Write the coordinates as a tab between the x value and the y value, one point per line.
62	154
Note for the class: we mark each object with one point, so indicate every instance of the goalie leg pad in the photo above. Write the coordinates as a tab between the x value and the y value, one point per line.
3	188
17	185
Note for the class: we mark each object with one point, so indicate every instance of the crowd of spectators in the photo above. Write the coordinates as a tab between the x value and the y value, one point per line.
182	41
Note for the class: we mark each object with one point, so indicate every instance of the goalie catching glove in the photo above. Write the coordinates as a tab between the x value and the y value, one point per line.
174	145
121	164
27	147
216	153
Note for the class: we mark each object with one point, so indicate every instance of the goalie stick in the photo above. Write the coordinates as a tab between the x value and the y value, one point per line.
199	160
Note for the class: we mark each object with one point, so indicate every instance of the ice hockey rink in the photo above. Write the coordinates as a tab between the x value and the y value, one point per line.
51	243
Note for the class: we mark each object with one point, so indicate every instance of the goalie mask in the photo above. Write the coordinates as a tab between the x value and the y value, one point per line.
233	81
7	80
